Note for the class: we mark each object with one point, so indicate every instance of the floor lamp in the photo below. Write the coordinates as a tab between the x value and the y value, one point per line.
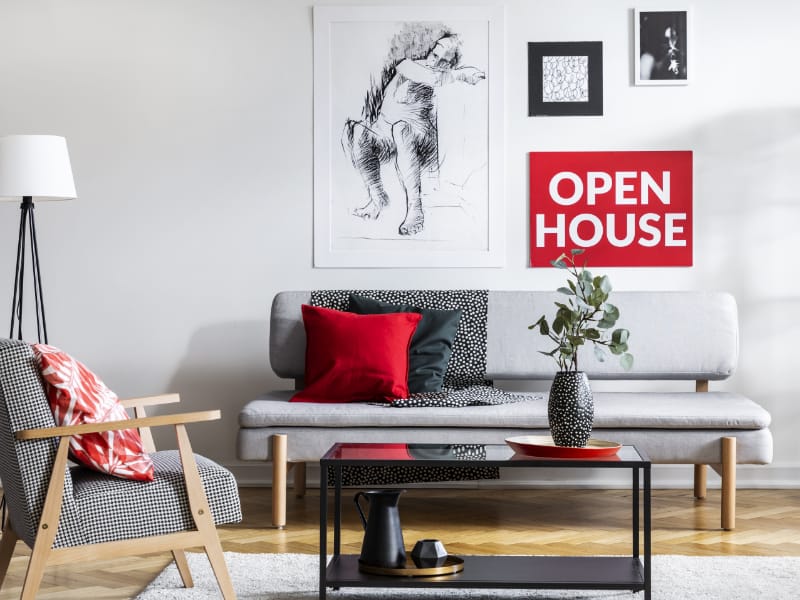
32	167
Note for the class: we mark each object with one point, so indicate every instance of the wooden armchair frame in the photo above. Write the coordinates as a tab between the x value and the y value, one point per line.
44	554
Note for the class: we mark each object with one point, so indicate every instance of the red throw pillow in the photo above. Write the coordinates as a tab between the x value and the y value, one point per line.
352	357
76	396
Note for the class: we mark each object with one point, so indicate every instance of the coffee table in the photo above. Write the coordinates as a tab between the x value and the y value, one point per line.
491	572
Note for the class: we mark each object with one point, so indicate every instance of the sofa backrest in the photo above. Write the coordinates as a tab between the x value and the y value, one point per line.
679	335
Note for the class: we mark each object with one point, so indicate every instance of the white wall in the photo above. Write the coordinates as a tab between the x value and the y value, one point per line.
189	125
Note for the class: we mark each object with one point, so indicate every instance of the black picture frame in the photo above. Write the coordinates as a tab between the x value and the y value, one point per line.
565	79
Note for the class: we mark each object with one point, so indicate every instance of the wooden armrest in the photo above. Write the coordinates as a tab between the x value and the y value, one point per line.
177	419
140	412
150	400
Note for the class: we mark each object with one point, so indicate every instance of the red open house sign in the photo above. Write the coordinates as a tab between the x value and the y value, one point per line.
626	209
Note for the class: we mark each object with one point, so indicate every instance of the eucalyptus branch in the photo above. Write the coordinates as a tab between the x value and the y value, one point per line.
587	316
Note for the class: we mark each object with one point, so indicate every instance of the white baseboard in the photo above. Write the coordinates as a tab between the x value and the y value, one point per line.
775	476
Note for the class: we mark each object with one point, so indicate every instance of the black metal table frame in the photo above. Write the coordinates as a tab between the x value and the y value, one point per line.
342	571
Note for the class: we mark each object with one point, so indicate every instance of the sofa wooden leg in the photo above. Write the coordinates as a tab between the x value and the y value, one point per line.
299	479
700	481
728	483
279	470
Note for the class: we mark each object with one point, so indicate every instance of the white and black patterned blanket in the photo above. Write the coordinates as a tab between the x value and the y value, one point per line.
465	382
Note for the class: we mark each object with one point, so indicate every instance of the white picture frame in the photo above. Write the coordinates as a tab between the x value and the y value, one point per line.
662	47
370	116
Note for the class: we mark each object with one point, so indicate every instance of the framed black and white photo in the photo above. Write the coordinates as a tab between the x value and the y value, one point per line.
565	78
662	47
408	136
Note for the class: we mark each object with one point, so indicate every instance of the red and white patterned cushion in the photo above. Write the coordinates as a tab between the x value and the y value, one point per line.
76	396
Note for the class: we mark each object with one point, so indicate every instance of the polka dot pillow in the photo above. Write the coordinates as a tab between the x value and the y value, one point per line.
76	396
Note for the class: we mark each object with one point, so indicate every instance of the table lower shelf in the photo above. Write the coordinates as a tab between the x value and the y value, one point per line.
531	572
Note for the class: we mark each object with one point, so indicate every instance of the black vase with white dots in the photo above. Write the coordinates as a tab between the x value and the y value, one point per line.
570	409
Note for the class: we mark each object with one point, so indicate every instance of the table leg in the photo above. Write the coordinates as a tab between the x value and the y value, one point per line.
323	528
337	510
647	540
635	492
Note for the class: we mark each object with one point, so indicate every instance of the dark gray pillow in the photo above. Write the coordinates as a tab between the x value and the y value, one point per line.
431	344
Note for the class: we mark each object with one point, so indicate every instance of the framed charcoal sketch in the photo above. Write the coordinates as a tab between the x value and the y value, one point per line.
408	136
661	47
565	78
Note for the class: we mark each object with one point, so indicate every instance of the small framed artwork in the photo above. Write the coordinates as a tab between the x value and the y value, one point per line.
661	47
565	78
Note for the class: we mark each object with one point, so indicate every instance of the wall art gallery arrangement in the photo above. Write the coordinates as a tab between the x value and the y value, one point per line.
408	144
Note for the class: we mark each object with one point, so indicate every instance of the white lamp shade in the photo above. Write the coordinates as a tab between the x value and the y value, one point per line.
36	166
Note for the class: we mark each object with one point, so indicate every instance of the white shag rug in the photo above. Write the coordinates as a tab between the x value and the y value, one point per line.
295	577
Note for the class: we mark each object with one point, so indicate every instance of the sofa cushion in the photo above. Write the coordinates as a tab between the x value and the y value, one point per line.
352	357
431	344
651	410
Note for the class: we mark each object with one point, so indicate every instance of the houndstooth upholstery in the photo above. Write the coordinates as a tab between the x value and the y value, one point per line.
25	466
96	507
118	509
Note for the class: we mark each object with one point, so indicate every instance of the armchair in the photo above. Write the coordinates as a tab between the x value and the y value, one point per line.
65	514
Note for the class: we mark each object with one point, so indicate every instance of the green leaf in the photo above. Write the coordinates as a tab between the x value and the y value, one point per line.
606	323
604	283
611	310
610	316
576	251
618	348
565	314
626	360
599	354
597	298
583	307
558	325
558	263
591	334
620	336
566	291
575	340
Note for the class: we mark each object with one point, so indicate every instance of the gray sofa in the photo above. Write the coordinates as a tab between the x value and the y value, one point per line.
681	341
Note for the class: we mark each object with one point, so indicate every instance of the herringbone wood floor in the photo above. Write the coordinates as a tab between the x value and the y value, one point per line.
570	522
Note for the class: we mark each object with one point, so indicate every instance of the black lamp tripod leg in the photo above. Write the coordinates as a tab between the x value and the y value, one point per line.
19	272
41	323
27	226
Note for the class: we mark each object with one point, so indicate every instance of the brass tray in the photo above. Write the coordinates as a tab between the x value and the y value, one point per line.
452	564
